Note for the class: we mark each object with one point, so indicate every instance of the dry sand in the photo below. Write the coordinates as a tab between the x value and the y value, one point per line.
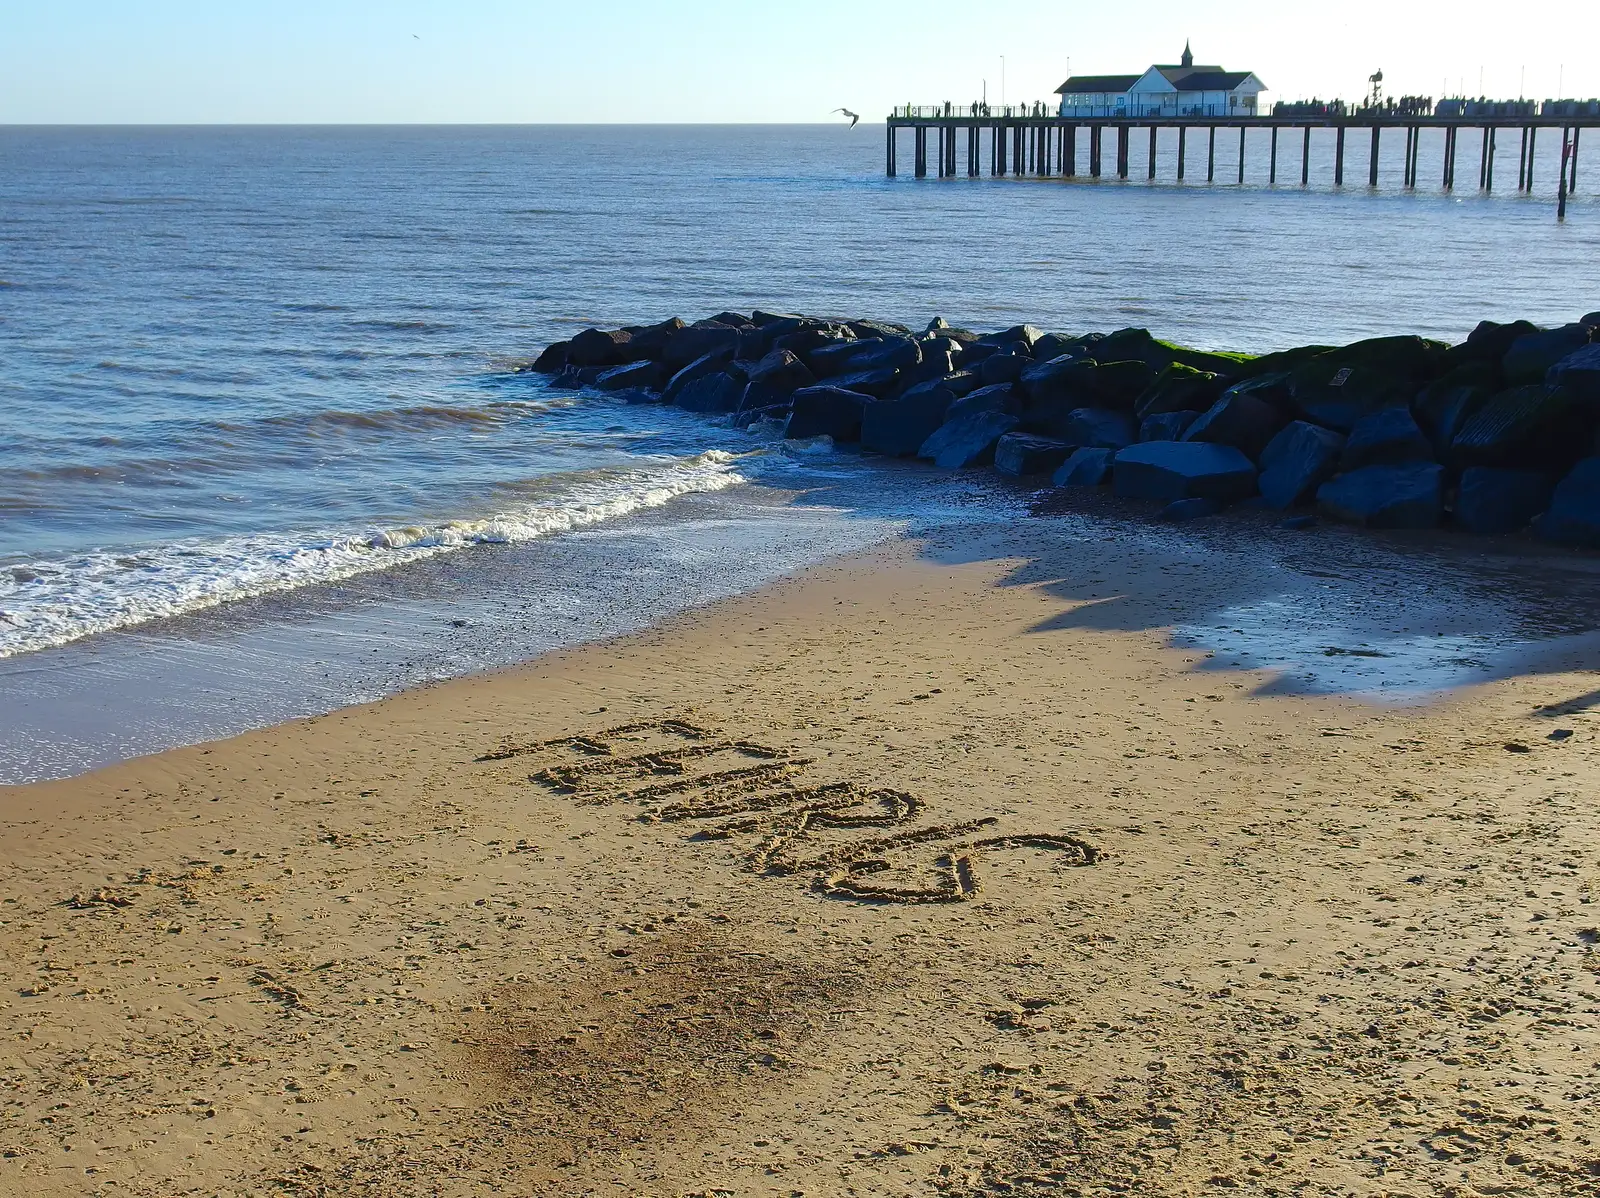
899	878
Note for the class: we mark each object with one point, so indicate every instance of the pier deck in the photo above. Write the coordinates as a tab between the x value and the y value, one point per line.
1045	146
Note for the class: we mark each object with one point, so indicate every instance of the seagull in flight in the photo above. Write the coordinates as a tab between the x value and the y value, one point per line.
854	118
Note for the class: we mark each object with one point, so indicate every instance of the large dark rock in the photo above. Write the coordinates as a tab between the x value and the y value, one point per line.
1492	502
892	353
936	365
763	319
967	440
877	383
1444	405
553	360
899	427
1533	354
1026	334
1022	454
713	363
1337	388
1085	468
804	343
1238	419
834	357
1275	387
1000	398
1178	388
1297	461
961	382
1386	438
1118	384
1490	342
642	376
1098	428
1003	368
948	386
1534	426
1284	361
650	343
877	328
1167	426
826	412
949	345
1172	470
764	337
1574	515
1137	345
697	341
773	379
1578	372
1060	381
1053	345
1410	496
717	392
781	373
736	320
599	347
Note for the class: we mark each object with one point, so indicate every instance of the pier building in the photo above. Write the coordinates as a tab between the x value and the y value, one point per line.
1178	90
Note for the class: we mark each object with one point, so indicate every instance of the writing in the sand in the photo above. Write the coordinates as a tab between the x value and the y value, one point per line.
856	842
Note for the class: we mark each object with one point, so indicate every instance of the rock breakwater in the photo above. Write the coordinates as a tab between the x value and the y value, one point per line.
1498	434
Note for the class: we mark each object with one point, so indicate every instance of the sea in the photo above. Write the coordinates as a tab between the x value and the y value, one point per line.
264	451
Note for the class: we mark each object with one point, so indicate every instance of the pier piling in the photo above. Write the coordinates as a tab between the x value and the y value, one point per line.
1561	188
1032	143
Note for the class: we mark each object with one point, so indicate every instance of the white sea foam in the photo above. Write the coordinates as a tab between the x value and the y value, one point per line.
48	603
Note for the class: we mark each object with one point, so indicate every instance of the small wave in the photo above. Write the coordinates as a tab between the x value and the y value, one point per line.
408	418
49	603
404	326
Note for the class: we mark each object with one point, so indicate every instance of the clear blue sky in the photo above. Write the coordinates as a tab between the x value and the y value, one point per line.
630	60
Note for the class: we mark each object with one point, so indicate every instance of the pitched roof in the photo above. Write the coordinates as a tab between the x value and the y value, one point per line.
1098	83
1203	79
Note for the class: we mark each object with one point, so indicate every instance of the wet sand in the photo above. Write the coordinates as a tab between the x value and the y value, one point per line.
939	869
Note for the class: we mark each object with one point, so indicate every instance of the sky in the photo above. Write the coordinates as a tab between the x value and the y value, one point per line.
632	61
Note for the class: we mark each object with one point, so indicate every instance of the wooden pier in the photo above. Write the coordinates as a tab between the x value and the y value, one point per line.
1047	146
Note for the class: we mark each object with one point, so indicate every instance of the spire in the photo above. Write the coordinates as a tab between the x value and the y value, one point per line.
1188	55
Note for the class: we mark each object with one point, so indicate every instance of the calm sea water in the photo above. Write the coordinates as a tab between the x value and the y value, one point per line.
237	362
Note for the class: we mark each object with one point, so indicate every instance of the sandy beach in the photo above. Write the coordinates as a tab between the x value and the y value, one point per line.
934	870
